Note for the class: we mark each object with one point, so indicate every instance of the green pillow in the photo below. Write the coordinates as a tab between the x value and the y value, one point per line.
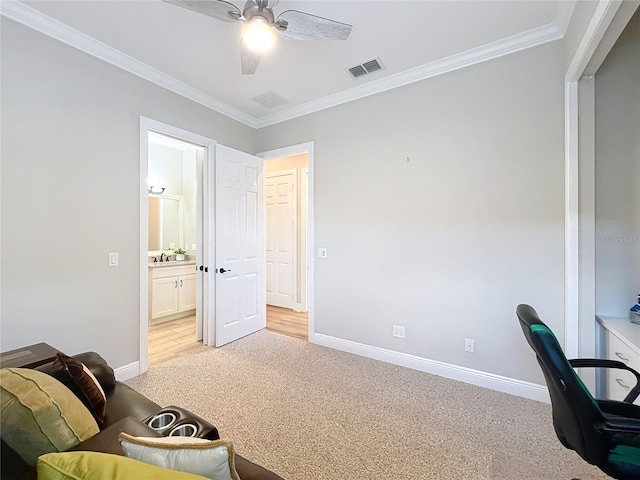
102	466
39	414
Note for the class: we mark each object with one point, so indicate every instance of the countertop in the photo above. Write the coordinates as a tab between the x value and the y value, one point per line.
172	263
623	329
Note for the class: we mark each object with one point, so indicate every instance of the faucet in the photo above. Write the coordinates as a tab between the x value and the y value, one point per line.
162	255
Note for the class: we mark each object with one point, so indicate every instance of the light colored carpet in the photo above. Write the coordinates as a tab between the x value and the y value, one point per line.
310	412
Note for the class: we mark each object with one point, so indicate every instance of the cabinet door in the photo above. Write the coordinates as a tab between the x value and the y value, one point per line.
620	381
164	297
187	292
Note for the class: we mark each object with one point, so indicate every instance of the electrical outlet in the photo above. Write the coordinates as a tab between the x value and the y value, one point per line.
469	345
322	253
398	331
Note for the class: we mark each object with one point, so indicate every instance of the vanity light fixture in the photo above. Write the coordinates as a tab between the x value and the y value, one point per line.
156	190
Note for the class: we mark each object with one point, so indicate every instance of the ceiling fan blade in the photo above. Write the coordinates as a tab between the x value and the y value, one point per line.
250	59
219	9
304	26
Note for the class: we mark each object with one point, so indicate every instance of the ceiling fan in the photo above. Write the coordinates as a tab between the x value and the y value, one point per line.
261	25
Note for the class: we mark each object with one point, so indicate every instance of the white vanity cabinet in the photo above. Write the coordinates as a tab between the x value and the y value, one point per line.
173	290
621	342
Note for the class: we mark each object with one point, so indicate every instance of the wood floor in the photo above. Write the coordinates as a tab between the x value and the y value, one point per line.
170	339
287	322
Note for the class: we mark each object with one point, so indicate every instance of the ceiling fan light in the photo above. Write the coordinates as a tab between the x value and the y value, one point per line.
258	35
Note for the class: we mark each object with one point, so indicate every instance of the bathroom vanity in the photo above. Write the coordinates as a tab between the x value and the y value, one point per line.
172	292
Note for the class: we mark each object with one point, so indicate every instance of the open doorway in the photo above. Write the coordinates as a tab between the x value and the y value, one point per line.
177	143
174	223
286	246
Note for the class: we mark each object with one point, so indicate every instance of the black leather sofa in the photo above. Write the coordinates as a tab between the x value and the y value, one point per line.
126	411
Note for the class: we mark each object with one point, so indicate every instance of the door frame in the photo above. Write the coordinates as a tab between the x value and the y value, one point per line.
580	255
308	148
304	199
206	292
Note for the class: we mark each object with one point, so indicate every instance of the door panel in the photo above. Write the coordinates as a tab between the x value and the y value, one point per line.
239	245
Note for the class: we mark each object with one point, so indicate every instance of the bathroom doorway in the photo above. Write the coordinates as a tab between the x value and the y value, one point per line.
175	288
175	236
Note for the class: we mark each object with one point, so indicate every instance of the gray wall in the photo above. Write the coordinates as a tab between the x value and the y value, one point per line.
448	242
617	160
70	192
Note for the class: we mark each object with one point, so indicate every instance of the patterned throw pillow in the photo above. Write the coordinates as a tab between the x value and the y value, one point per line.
213	459
40	415
88	386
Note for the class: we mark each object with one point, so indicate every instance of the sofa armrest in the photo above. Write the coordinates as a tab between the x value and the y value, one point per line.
107	440
250	471
98	366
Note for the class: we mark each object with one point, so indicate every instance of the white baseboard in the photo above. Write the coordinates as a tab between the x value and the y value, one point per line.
492	381
127	371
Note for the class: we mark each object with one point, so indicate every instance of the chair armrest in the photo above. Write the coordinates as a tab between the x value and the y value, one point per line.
98	366
622	425
621	409
604	363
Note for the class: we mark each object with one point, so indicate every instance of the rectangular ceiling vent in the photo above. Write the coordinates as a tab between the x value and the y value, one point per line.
366	68
270	100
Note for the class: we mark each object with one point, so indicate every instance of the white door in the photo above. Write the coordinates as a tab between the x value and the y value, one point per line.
281	238
240	299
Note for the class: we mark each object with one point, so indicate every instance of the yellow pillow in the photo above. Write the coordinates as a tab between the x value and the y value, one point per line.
39	414
102	466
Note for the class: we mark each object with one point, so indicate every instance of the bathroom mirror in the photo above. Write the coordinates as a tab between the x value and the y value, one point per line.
166	222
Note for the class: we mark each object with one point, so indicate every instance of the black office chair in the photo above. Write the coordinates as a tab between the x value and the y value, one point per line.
605	433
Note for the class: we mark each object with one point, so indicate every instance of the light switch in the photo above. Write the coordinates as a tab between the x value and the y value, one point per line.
322	253
113	259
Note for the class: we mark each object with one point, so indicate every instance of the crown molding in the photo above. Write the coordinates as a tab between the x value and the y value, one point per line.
36	20
42	23
532	38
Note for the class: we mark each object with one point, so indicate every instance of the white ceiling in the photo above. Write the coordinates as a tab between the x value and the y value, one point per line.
199	56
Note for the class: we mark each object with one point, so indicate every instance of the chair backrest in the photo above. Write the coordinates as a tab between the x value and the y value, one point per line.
575	412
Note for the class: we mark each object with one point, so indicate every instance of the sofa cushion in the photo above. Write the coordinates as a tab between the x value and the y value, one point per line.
102	466
211	459
87	387
40	415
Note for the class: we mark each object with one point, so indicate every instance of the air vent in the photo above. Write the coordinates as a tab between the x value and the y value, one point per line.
366	68
270	100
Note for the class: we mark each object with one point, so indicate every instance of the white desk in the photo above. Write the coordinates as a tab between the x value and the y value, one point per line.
620	340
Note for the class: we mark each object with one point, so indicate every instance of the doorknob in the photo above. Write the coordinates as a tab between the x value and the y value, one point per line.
223	270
